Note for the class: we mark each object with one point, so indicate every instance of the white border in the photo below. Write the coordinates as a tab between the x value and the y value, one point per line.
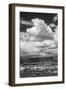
17	58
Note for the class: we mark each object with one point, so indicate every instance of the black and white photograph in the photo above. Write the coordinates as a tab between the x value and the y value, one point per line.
38	44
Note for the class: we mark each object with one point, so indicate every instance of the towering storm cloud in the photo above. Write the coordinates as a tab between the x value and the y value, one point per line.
39	39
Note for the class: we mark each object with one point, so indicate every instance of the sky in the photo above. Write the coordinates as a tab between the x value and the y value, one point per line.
28	16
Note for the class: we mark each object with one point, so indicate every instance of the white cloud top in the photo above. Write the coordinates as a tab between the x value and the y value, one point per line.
40	29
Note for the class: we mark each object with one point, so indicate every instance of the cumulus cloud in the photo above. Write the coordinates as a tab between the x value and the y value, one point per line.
26	22
38	40
38	48
56	35
24	36
55	18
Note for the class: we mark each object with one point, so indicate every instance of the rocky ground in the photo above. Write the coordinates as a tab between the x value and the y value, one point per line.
38	67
